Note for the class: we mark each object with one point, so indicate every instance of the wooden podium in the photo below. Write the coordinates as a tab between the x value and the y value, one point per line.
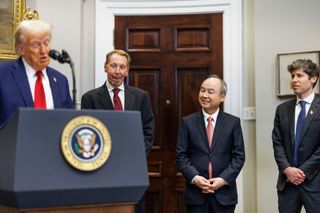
35	176
121	208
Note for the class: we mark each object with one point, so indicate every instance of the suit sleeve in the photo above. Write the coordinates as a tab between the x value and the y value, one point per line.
148	123
86	102
230	173
278	146
67	98
183	160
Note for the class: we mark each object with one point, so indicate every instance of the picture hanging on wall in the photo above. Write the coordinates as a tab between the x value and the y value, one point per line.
284	89
11	13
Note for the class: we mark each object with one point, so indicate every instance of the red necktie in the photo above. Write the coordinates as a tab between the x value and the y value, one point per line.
39	95
116	100
210	135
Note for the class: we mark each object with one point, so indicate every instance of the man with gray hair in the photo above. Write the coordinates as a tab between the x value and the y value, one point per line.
296	142
28	81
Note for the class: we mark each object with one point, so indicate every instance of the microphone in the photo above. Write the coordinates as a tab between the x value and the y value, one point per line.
62	58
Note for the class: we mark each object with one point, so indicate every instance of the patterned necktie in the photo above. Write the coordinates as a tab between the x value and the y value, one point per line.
299	126
210	135
116	100
39	95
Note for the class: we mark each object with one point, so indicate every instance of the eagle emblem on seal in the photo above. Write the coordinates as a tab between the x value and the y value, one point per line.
86	145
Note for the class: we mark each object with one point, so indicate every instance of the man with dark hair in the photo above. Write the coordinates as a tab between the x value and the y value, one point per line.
296	142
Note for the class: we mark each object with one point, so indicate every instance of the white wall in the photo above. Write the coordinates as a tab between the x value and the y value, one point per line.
280	27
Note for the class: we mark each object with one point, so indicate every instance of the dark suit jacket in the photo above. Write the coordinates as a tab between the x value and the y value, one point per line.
309	148
226	154
15	91
135	100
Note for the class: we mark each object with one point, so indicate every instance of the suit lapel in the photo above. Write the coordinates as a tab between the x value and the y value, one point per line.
199	121
313	111
21	80
54	85
129	98
291	121
105	100
220	122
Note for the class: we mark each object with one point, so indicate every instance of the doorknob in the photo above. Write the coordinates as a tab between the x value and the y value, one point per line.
168	102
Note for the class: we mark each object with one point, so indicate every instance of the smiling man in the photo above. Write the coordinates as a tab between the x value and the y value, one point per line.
28	81
296	142
210	152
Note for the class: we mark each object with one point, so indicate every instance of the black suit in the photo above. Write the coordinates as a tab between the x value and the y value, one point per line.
309	148
135	100
226	154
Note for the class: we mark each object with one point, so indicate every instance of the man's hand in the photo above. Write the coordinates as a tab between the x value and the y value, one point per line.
217	183
203	184
295	176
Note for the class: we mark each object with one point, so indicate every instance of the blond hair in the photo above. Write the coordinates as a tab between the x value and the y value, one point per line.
28	28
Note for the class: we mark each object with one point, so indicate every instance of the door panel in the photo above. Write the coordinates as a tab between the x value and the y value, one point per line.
171	56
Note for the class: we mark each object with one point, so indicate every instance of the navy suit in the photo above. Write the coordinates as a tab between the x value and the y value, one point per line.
226	154
135	100
309	148
15	91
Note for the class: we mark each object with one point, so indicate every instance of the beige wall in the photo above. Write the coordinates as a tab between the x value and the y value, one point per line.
280	27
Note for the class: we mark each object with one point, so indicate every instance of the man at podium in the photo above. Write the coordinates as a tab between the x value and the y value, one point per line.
28	81
115	95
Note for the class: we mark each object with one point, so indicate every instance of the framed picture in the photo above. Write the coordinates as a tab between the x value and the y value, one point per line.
11	13
283	76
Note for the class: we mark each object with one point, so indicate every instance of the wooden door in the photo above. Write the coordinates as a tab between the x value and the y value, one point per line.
171	55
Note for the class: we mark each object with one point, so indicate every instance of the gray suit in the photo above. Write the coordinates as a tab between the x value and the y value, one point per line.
135	100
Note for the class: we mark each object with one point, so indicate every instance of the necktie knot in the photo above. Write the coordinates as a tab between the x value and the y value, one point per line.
39	74
302	104
116	91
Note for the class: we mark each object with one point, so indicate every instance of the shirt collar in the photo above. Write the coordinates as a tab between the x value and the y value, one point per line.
110	87
308	99
214	115
31	72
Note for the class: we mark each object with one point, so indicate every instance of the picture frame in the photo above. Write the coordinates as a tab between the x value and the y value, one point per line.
12	10
284	89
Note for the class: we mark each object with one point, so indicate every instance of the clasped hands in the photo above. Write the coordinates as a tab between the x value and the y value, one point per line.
209	185
294	175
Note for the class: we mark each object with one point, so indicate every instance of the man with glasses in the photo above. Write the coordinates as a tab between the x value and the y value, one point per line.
28	81
114	94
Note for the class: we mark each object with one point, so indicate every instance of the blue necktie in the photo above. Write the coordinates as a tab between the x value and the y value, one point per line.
297	139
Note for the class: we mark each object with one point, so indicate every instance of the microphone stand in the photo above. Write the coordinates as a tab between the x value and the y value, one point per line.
65	58
74	90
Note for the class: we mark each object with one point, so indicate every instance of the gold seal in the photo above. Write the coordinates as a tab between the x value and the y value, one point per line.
86	143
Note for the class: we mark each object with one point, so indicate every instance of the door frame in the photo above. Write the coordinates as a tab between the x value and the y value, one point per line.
106	10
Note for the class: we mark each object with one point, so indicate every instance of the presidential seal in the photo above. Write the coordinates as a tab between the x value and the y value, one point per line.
86	143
